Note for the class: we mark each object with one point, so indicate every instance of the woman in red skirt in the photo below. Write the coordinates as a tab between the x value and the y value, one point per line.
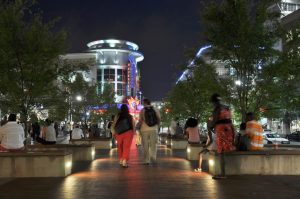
223	128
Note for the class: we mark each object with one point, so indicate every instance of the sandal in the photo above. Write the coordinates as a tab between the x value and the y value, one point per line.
198	170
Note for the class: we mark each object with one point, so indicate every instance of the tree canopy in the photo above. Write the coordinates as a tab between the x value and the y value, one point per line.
243	34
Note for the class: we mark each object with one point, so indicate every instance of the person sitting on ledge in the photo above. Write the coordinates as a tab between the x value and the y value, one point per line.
12	135
254	131
192	131
50	133
77	133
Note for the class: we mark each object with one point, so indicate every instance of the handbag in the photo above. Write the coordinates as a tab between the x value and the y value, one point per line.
122	126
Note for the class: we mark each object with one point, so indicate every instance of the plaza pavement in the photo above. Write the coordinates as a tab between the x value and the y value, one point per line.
171	178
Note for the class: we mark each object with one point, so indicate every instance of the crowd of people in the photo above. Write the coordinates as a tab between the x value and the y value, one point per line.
221	135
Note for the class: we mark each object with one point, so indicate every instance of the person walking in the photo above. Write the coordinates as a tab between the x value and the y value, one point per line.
123	128
222	126
150	121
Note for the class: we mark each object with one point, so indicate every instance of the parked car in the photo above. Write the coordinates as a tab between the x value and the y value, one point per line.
295	136
274	138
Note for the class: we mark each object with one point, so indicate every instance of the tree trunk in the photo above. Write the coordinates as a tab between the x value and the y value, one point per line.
286	124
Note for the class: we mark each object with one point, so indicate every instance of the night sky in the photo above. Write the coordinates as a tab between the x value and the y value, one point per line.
163	30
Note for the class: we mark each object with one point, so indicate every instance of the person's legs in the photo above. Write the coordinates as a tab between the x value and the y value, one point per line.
221	157
199	169
145	141
152	147
120	147
222	162
128	136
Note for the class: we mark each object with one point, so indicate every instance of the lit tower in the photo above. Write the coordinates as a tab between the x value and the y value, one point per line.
116	64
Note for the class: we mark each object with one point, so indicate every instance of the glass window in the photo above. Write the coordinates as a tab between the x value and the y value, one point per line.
109	75
121	75
99	75
120	89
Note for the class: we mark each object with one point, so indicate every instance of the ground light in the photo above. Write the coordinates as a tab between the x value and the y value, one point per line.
188	150
93	154
68	164
211	162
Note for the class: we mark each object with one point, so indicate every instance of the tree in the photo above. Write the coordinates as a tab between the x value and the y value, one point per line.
29	57
243	34
283	89
190	98
105	105
79	95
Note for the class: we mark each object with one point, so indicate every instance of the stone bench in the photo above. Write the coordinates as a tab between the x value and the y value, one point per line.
193	150
35	164
82	152
266	162
99	143
168	141
162	137
178	143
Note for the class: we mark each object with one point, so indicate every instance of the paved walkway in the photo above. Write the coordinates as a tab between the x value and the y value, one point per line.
171	178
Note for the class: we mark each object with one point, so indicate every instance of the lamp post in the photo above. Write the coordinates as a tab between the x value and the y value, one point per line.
79	99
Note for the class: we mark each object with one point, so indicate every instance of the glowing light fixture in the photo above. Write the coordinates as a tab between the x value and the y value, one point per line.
78	98
188	150
68	164
211	162
238	82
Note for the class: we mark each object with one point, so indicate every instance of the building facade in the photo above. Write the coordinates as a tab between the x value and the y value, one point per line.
115	62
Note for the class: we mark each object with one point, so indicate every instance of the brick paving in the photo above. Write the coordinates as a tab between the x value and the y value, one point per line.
171	178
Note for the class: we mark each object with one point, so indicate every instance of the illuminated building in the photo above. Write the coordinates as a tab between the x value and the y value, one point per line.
115	62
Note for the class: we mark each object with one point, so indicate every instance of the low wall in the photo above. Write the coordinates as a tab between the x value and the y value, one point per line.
193	150
99	143
83	152
168	142
35	164
267	162
162	138
178	143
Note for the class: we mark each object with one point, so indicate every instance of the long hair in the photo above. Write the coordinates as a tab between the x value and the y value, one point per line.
124	113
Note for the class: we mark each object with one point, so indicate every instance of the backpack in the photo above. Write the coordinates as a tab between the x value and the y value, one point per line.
150	116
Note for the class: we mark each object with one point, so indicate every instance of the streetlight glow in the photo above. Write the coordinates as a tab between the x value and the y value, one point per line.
238	82
78	98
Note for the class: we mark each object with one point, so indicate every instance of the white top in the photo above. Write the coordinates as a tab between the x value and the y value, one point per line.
173	127
77	133
50	133
12	135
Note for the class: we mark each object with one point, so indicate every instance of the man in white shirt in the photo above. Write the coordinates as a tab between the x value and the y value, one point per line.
12	135
77	133
150	121
50	137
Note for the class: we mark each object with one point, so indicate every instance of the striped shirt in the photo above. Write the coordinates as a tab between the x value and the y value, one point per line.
255	132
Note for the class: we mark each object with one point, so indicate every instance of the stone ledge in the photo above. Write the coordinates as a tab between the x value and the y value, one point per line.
178	143
100	143
266	162
35	164
193	150
82	152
